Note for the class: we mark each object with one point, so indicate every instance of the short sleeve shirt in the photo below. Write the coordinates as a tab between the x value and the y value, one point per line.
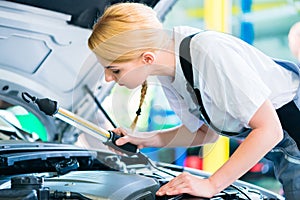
234	79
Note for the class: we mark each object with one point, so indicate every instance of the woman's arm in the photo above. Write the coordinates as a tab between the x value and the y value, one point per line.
181	136
266	133
174	137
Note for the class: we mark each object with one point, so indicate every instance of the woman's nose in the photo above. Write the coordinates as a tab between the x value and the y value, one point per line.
109	76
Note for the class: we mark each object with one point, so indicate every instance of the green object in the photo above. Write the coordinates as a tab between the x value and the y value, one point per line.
29	122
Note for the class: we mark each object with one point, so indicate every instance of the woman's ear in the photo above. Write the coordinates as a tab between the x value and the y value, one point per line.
148	57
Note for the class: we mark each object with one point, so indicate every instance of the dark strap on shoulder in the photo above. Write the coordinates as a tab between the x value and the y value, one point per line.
186	65
185	59
187	68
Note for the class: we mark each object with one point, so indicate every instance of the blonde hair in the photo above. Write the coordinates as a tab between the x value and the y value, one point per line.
125	31
139	110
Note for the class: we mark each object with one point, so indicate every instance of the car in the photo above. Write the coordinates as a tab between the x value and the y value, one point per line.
44	57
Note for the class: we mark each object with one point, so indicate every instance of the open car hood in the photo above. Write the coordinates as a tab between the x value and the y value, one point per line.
44	52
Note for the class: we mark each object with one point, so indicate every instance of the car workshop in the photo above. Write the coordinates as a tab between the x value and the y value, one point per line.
149	99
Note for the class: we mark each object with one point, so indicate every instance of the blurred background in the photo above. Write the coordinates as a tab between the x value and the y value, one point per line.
263	23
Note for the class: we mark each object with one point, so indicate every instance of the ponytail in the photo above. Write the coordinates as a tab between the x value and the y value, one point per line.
138	112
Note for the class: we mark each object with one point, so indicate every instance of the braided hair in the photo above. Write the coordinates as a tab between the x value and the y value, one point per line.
138	112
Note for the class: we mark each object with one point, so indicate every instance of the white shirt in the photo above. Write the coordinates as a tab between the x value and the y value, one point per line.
234	79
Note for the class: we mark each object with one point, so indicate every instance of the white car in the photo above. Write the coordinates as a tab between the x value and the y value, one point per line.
44	53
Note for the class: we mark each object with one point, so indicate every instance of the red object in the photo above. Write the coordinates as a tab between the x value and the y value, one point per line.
257	168
193	162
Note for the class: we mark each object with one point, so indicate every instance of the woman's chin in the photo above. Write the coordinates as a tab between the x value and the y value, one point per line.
129	86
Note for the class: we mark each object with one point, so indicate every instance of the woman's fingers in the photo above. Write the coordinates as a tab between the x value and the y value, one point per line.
120	131
189	184
139	139
172	186
123	140
127	138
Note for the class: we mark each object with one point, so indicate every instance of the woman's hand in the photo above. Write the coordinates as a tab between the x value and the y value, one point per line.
140	139
188	184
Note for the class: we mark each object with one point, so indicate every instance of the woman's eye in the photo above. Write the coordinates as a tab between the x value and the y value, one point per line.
116	71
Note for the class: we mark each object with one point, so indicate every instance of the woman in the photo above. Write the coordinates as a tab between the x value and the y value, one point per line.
240	88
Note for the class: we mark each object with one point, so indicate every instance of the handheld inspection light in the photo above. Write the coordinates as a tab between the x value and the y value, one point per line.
51	108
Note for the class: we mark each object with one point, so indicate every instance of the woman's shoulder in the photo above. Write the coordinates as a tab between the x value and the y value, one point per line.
183	31
213	41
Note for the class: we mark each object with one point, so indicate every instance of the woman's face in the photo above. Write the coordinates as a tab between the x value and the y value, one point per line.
130	74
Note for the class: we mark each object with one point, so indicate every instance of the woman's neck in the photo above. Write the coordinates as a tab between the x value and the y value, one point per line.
165	61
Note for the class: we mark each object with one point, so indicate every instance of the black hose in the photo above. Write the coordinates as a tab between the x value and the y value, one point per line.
99	105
